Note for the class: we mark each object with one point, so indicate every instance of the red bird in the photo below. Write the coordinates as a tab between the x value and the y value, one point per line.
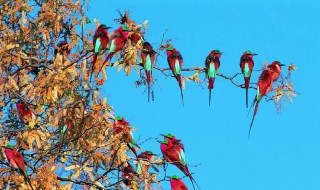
16	162
246	65
264	87
118	41
122	126
147	57
175	155
177	184
100	41
175	61
24	112
128	174
275	68
212	65
61	52
173	140
146	156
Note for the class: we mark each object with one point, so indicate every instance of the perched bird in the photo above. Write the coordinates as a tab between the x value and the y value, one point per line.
212	65
122	126
147	57
118	41
263	87
24	112
146	156
100	41
128	174
177	184
16	162
173	140
246	65
61	52
135	38
175	61
175	155
275	68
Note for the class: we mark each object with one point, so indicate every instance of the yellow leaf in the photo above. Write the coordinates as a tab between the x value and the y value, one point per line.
72	167
13	83
119	68
98	184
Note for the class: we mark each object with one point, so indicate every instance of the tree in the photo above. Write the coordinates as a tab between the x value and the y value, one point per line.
55	115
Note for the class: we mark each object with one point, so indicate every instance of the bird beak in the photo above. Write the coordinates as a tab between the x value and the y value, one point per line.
163	135
254	54
159	142
109	27
282	64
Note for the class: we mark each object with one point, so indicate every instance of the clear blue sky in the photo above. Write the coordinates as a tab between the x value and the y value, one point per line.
283	152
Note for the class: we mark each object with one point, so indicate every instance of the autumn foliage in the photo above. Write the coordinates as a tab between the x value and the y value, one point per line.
56	117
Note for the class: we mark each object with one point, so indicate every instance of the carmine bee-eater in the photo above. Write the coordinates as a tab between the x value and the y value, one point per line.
263	87
246	65
122	126
147	57
177	184
175	155
145	157
212	65
24	112
275	68
100	41
173	140
16	162
61	52
128	174
118	41
175	61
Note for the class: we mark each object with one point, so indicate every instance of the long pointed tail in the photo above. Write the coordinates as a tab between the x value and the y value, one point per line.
27	179
148	83
185	170
254	114
210	86
180	85
246	84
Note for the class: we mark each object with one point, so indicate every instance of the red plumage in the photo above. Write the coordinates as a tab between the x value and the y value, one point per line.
275	68
147	50
102	34
177	184
247	59
24	112
212	62
173	155
264	87
120	37
172	56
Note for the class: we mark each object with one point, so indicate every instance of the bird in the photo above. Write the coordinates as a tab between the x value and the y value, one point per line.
177	184
175	62
118	41
16	162
212	63
100	41
146	156
61	52
275	68
246	65
173	140
263	87
147	57
122	126
176	156
24	112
